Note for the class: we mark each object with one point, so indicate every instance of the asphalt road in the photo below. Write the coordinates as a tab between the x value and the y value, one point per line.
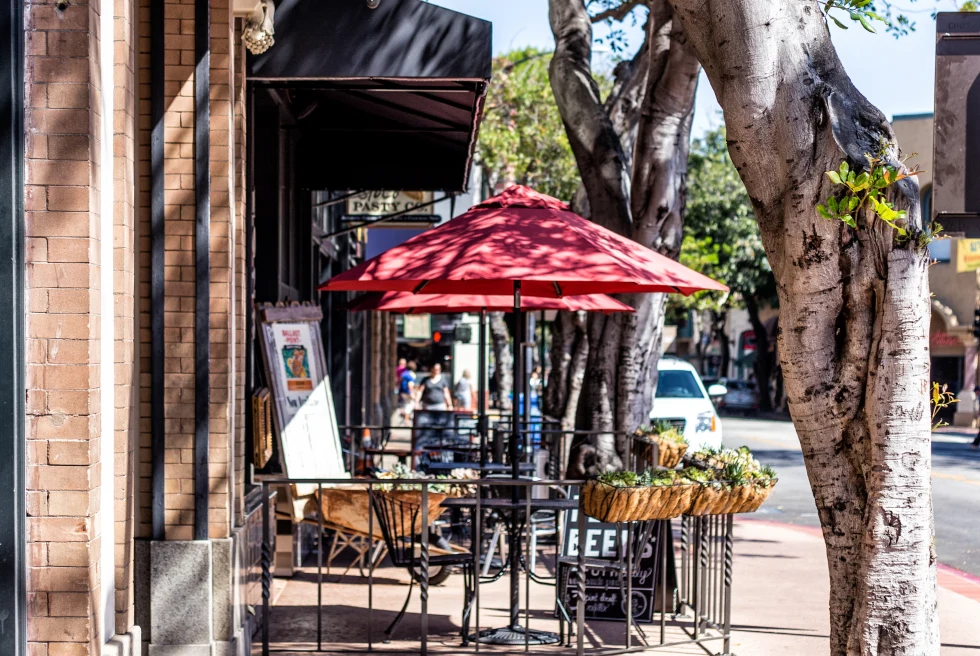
955	484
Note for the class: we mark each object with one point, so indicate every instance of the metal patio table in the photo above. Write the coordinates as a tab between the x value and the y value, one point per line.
518	511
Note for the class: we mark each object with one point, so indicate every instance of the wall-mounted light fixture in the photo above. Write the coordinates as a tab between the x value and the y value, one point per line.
259	31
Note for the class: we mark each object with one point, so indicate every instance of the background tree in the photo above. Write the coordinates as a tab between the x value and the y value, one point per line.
722	240
854	303
631	152
522	141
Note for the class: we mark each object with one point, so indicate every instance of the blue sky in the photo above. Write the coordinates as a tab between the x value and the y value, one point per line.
903	85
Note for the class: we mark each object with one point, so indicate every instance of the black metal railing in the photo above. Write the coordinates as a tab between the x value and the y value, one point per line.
692	581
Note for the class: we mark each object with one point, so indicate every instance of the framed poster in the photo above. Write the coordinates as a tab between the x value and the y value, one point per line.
303	409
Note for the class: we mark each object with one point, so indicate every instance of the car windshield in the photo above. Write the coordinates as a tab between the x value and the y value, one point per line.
678	385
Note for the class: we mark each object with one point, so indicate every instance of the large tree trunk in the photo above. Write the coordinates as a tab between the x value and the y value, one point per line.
569	350
638	140
503	358
854	312
763	364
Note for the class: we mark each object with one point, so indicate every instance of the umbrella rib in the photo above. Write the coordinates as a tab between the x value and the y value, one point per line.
420	287
557	288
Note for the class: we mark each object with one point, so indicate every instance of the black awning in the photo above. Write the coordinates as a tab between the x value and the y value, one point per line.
385	98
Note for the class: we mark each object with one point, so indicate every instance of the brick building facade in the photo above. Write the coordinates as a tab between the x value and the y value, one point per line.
127	200
87	208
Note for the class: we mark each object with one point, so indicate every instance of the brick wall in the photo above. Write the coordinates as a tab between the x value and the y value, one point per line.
63	146
124	289
63	133
238	54
179	298
144	517
222	277
179	272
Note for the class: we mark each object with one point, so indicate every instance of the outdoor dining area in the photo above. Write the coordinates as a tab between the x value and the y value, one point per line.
474	510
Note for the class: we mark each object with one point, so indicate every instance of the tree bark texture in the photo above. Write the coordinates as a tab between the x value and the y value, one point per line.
632	155
854	311
503	358
568	353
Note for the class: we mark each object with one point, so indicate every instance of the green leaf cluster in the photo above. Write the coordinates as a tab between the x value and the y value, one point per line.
859	11
866	189
522	137
721	235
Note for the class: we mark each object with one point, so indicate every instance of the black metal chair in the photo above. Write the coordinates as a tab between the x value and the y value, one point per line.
568	565
399	522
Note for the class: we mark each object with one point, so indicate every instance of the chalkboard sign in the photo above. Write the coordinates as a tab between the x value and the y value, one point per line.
604	600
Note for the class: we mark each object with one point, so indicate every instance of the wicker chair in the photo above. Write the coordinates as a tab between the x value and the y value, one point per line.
398	520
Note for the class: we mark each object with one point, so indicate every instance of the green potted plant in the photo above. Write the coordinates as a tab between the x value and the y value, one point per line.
671	443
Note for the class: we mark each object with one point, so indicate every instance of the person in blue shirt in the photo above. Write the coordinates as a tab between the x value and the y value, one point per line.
406	389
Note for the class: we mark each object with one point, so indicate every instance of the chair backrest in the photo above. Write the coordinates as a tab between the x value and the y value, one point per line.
397	519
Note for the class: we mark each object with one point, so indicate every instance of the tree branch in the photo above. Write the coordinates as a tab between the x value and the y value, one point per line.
617	13
598	151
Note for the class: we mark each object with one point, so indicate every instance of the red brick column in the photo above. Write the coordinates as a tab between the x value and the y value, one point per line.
124	290
179	272
63	133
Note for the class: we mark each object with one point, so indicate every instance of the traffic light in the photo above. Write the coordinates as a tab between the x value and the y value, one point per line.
976	323
463	333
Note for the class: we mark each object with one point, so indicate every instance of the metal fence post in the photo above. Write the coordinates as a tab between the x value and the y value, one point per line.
424	567
702	606
266	577
580	580
729	554
629	581
527	571
319	567
478	541
370	567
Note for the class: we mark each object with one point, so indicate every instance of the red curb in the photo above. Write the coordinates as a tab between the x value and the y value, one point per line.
952	579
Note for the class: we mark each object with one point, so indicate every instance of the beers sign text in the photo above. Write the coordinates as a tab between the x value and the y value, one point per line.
380	203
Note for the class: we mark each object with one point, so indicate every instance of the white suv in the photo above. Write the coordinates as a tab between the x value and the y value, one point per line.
682	400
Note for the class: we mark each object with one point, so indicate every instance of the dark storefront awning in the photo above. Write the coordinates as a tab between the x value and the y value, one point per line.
385	98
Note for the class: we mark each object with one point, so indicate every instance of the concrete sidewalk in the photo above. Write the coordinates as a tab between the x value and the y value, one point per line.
781	588
780	607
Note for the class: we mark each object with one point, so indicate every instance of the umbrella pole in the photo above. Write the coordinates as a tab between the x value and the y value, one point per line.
515	437
481	384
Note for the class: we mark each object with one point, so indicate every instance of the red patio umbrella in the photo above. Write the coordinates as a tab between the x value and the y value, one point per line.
408	303
525	243
527	237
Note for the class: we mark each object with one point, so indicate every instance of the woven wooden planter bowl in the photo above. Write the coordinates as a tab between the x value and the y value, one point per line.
348	506
609	503
722	499
669	455
755	496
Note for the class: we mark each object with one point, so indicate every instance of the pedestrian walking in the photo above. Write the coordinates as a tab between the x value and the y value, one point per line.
407	390
399	370
464	391
433	392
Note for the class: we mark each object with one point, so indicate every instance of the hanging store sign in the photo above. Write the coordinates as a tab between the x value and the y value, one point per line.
414	205
417	326
967	255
